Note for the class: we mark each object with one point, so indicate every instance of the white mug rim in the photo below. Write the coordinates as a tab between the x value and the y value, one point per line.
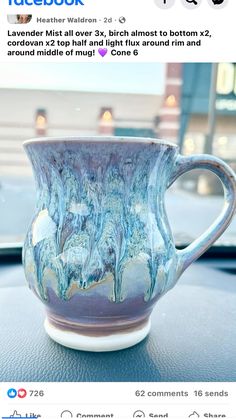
99	139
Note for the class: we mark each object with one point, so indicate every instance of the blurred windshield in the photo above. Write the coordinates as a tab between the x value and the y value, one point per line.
193	105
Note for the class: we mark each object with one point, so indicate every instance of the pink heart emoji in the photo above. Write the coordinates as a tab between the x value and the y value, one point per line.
22	393
103	51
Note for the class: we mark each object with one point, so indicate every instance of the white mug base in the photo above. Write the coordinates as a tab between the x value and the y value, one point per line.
108	343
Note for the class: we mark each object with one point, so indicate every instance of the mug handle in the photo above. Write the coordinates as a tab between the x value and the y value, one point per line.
226	175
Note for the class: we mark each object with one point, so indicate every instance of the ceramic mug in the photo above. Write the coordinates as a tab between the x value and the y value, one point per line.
99	252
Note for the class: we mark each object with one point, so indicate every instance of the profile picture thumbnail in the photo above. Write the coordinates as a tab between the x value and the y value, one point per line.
19	19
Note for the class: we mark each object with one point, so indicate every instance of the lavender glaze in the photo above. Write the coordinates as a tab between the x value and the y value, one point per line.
100	251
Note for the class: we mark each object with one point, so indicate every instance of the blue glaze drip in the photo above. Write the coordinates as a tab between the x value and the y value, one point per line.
100	209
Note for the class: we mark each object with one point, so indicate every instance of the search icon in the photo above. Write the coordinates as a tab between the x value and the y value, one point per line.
191	4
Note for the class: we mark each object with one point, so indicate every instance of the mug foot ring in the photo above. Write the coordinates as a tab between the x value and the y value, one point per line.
107	343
